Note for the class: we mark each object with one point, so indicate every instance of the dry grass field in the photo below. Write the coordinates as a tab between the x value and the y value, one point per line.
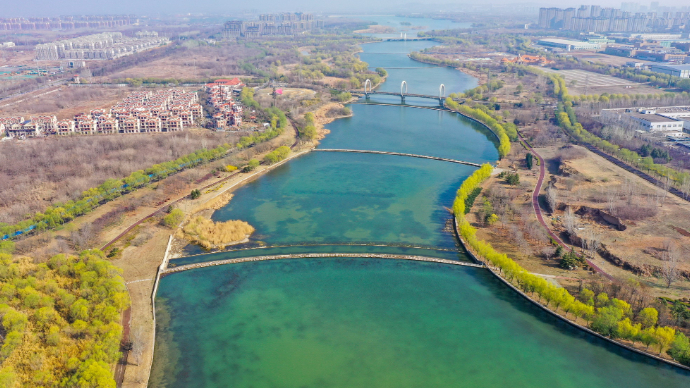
63	102
58	169
588	182
654	220
606	59
587	82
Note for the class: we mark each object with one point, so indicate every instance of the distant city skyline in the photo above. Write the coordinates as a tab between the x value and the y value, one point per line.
44	8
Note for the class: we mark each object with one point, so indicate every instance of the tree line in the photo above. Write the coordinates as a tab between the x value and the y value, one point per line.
610	317
59	213
567	119
504	131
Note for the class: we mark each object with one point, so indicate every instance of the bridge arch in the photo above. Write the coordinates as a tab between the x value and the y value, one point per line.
367	82
442	91
403	88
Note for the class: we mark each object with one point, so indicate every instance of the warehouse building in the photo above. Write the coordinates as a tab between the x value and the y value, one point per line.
682	71
569	45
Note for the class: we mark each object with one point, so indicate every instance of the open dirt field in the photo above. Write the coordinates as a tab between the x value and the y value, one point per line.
593	181
14	57
606	59
64	102
586	82
589	180
169	67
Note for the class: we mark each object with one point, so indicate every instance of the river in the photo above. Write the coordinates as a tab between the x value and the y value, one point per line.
367	322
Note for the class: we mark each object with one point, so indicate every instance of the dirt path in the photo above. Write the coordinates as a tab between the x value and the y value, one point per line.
537	208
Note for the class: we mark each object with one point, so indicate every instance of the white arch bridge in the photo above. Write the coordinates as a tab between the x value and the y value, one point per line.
368	90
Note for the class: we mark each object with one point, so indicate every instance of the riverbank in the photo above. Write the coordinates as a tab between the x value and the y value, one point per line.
481	77
141	262
555	314
507	270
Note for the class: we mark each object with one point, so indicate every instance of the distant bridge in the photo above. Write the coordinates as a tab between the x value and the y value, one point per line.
318	256
368	90
439	108
398	154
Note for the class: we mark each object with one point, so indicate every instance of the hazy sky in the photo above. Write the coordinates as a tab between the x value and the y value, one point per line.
12	8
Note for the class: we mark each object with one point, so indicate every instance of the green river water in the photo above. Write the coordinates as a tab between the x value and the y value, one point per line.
322	323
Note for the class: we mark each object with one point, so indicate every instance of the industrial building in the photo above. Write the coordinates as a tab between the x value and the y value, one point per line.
666	119
682	71
106	45
569	45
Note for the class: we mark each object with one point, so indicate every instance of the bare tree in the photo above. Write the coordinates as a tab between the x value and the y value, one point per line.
552	197
83	238
569	220
665	185
669	268
685	187
591	241
630	190
137	339
520	240
611	199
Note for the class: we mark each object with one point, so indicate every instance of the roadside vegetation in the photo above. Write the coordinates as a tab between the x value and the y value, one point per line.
60	213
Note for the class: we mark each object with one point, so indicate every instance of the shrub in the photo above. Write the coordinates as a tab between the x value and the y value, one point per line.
173	218
253	164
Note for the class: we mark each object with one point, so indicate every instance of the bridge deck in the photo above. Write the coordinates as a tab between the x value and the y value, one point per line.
399	154
320	255
397	94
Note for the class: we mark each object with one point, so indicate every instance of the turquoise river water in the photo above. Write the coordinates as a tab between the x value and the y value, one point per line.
371	323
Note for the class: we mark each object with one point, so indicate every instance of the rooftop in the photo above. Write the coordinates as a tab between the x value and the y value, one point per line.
563	41
674	67
653	118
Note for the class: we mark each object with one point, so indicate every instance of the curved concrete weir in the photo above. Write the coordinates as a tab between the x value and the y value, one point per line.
319	256
399	154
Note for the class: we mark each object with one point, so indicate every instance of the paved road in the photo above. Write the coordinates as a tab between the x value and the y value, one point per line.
537	208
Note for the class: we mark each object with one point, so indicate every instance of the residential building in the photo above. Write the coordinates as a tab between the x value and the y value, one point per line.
106	45
271	25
